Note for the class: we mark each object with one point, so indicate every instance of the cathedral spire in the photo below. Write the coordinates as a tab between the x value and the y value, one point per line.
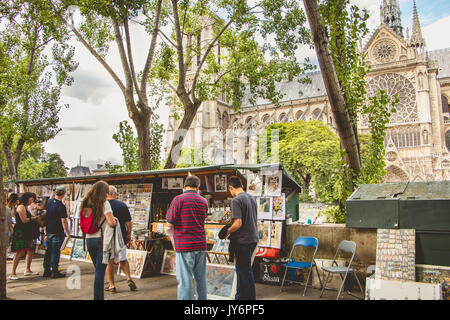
417	39
390	16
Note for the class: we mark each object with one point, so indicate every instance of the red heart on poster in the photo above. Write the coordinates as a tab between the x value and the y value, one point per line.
274	268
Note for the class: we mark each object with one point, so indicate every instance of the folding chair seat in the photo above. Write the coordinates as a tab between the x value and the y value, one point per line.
347	247
307	242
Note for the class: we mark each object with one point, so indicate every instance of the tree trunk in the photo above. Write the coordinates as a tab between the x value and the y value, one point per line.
11	169
141	121
180	134
3	244
345	128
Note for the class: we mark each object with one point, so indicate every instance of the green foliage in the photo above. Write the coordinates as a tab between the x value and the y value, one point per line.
130	147
32	81
49	165
333	214
193	157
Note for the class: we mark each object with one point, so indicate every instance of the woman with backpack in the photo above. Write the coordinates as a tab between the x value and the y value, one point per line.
96	215
25	231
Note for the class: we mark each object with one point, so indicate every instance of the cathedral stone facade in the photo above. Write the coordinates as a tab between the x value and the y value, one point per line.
418	135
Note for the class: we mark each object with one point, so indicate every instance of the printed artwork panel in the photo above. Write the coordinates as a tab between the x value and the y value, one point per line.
264	208
220	282
169	263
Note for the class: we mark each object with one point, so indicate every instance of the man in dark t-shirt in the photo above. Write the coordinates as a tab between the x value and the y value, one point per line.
55	229
244	235
121	212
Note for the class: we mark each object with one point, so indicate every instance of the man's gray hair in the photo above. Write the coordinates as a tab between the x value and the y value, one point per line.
112	190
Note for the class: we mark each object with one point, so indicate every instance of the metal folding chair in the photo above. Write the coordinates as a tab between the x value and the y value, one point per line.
293	264
348	247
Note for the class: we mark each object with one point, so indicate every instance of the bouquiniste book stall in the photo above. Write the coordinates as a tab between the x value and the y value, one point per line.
148	195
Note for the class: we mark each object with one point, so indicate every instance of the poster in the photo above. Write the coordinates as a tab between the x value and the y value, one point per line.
254	184
136	260
220	183
175	183
264	208
273	184
78	254
165	183
220	282
279	208
169	263
264	233
276	229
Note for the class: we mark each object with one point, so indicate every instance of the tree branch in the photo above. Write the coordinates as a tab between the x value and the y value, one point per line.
151	51
90	49
181	66
208	50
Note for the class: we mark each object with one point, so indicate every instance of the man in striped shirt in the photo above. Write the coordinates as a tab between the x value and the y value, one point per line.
186	217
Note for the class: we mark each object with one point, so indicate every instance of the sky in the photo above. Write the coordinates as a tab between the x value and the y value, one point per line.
96	105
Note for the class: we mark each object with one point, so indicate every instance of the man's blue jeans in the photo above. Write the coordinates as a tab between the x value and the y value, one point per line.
245	287
53	252
94	247
191	265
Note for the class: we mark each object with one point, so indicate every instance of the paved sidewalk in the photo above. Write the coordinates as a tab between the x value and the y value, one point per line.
161	287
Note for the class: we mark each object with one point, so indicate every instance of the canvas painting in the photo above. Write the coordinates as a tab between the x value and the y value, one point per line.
220	282
264	208
136	260
273	184
264	233
175	183
279	208
220	183
254	184
78	254
169	263
276	229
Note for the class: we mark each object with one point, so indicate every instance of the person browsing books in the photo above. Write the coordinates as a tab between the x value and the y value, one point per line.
55	230
186	217
244	235
121	212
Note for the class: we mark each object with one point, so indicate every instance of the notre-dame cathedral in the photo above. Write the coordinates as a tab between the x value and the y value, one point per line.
418	136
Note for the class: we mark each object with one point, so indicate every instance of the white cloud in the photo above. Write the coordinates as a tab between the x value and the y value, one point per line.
434	34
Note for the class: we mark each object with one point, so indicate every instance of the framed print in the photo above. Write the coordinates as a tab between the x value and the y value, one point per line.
279	208
264	208
276	229
264	233
220	183
78	254
136	260
254	184
272	187
66	253
175	183
169	263
220	282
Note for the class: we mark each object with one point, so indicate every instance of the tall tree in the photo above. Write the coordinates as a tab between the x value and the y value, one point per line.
337	28
213	50
106	22
29	34
345	125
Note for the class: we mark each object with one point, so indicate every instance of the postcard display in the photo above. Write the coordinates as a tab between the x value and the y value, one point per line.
271	204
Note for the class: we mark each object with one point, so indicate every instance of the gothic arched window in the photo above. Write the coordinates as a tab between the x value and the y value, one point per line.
283	117
316	114
447	140
299	115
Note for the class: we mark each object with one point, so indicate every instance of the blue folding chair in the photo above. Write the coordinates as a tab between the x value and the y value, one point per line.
308	242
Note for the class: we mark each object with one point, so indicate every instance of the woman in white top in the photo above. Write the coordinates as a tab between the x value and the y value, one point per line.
95	202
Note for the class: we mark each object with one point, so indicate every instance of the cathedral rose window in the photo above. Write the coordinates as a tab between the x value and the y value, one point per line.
395	84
